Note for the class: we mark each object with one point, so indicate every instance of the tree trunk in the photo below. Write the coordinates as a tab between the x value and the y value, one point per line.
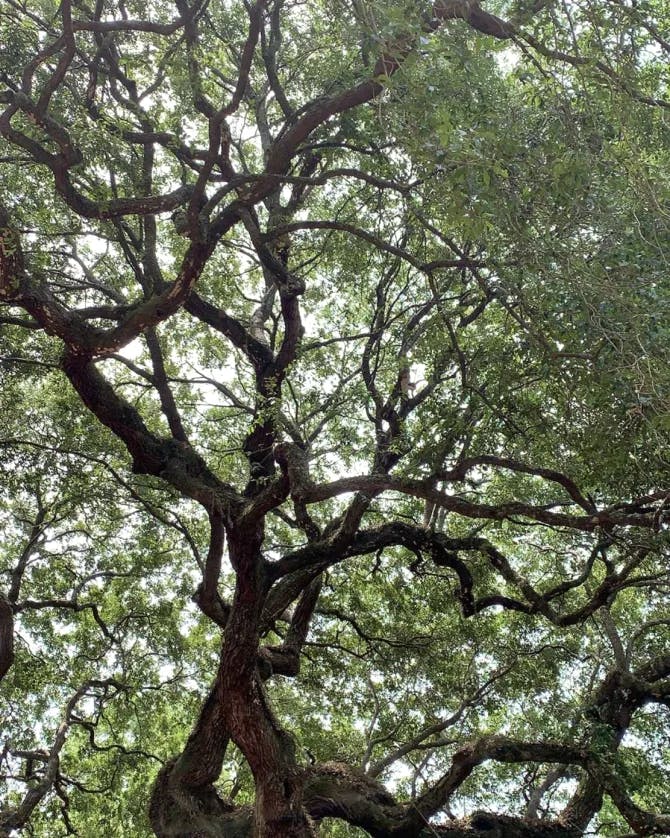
268	749
184	801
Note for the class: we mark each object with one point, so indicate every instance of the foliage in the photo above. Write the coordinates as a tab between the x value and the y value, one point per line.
335	397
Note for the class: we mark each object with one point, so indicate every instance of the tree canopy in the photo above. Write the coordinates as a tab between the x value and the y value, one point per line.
335	418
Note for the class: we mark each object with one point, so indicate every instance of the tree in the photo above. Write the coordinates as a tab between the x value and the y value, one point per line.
335	398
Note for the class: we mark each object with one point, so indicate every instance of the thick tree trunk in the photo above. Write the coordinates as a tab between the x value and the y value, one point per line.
6	636
270	754
253	727
184	801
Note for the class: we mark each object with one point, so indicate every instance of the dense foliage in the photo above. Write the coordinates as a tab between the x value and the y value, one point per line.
335	418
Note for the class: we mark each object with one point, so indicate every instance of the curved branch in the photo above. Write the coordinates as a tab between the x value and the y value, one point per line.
423	489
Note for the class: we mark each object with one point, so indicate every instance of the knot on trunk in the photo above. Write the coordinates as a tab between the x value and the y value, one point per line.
490	825
294	463
339	776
